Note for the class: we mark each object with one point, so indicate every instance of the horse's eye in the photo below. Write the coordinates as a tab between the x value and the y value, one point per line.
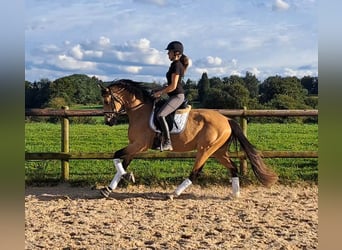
106	100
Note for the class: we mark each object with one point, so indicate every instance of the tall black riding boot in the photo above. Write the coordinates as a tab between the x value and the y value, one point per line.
166	142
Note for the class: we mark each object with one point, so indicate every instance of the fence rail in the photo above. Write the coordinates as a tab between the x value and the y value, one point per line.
162	155
64	156
226	112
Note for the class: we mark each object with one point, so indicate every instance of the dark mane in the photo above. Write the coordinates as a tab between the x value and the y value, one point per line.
139	89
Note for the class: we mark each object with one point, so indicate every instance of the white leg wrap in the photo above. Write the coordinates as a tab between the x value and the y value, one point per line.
236	187
119	172
119	167
186	183
114	183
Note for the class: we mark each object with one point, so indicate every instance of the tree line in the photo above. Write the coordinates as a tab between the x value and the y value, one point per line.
233	92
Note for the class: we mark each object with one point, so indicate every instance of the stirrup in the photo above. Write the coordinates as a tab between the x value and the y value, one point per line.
106	191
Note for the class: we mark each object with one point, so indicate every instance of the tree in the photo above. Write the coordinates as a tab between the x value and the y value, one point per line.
218	99
215	82
312	101
190	88
37	94
239	95
276	85
311	84
203	87
252	84
76	88
234	79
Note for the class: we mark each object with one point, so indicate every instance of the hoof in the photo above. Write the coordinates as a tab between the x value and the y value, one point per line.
236	195
105	192
129	177
171	196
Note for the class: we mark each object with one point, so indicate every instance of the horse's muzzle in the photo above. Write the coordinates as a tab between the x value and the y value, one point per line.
110	119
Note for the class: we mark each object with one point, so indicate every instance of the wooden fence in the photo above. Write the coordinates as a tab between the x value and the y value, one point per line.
65	155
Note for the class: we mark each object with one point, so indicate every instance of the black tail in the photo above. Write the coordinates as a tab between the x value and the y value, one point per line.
265	175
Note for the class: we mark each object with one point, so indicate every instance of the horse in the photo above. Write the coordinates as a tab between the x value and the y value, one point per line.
208	132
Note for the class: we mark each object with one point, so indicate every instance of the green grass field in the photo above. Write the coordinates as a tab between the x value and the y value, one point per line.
45	137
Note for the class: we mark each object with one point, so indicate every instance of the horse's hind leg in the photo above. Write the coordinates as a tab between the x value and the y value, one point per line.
203	153
222	156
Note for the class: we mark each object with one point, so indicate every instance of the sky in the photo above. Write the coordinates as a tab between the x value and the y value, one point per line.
113	39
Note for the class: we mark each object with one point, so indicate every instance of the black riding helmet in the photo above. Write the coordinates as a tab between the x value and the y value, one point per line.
175	46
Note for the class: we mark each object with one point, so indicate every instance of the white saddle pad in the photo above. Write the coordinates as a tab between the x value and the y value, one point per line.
181	118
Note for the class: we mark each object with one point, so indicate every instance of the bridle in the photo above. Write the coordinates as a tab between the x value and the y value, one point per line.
111	116
114	113
114	99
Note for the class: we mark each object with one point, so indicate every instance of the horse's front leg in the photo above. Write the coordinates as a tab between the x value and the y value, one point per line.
120	172
122	159
126	160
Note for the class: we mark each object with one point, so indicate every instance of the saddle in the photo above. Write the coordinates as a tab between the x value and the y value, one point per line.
176	120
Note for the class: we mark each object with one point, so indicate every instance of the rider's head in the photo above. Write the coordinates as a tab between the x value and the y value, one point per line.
176	47
175	50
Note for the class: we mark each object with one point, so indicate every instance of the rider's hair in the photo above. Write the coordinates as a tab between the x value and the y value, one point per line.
185	61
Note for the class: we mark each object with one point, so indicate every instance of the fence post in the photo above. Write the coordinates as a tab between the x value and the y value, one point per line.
65	145
243	161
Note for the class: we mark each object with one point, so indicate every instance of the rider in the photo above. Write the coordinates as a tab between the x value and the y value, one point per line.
173	89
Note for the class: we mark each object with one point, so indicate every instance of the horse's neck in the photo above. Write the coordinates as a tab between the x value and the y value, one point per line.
139	112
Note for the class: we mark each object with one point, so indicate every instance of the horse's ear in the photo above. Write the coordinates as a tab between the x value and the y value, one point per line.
102	87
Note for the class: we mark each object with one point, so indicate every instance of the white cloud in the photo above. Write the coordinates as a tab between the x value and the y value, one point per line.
234	62
50	48
254	71
214	71
120	38
142	44
214	60
235	73
209	61
280	5
157	2
297	72
139	52
104	41
131	69
252	42
93	53
76	52
69	63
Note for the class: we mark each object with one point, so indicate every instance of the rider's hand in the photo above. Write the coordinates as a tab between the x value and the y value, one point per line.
157	94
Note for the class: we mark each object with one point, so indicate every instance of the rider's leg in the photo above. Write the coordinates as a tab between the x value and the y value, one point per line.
166	142
170	106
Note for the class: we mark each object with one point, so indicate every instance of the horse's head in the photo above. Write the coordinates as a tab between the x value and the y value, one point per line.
112	105
121	96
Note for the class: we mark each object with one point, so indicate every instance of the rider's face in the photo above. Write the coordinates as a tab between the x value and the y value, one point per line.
171	55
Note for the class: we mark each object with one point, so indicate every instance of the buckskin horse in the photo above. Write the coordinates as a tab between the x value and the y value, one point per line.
207	131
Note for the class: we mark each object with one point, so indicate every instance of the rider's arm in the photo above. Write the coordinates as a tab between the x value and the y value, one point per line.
169	88
173	85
